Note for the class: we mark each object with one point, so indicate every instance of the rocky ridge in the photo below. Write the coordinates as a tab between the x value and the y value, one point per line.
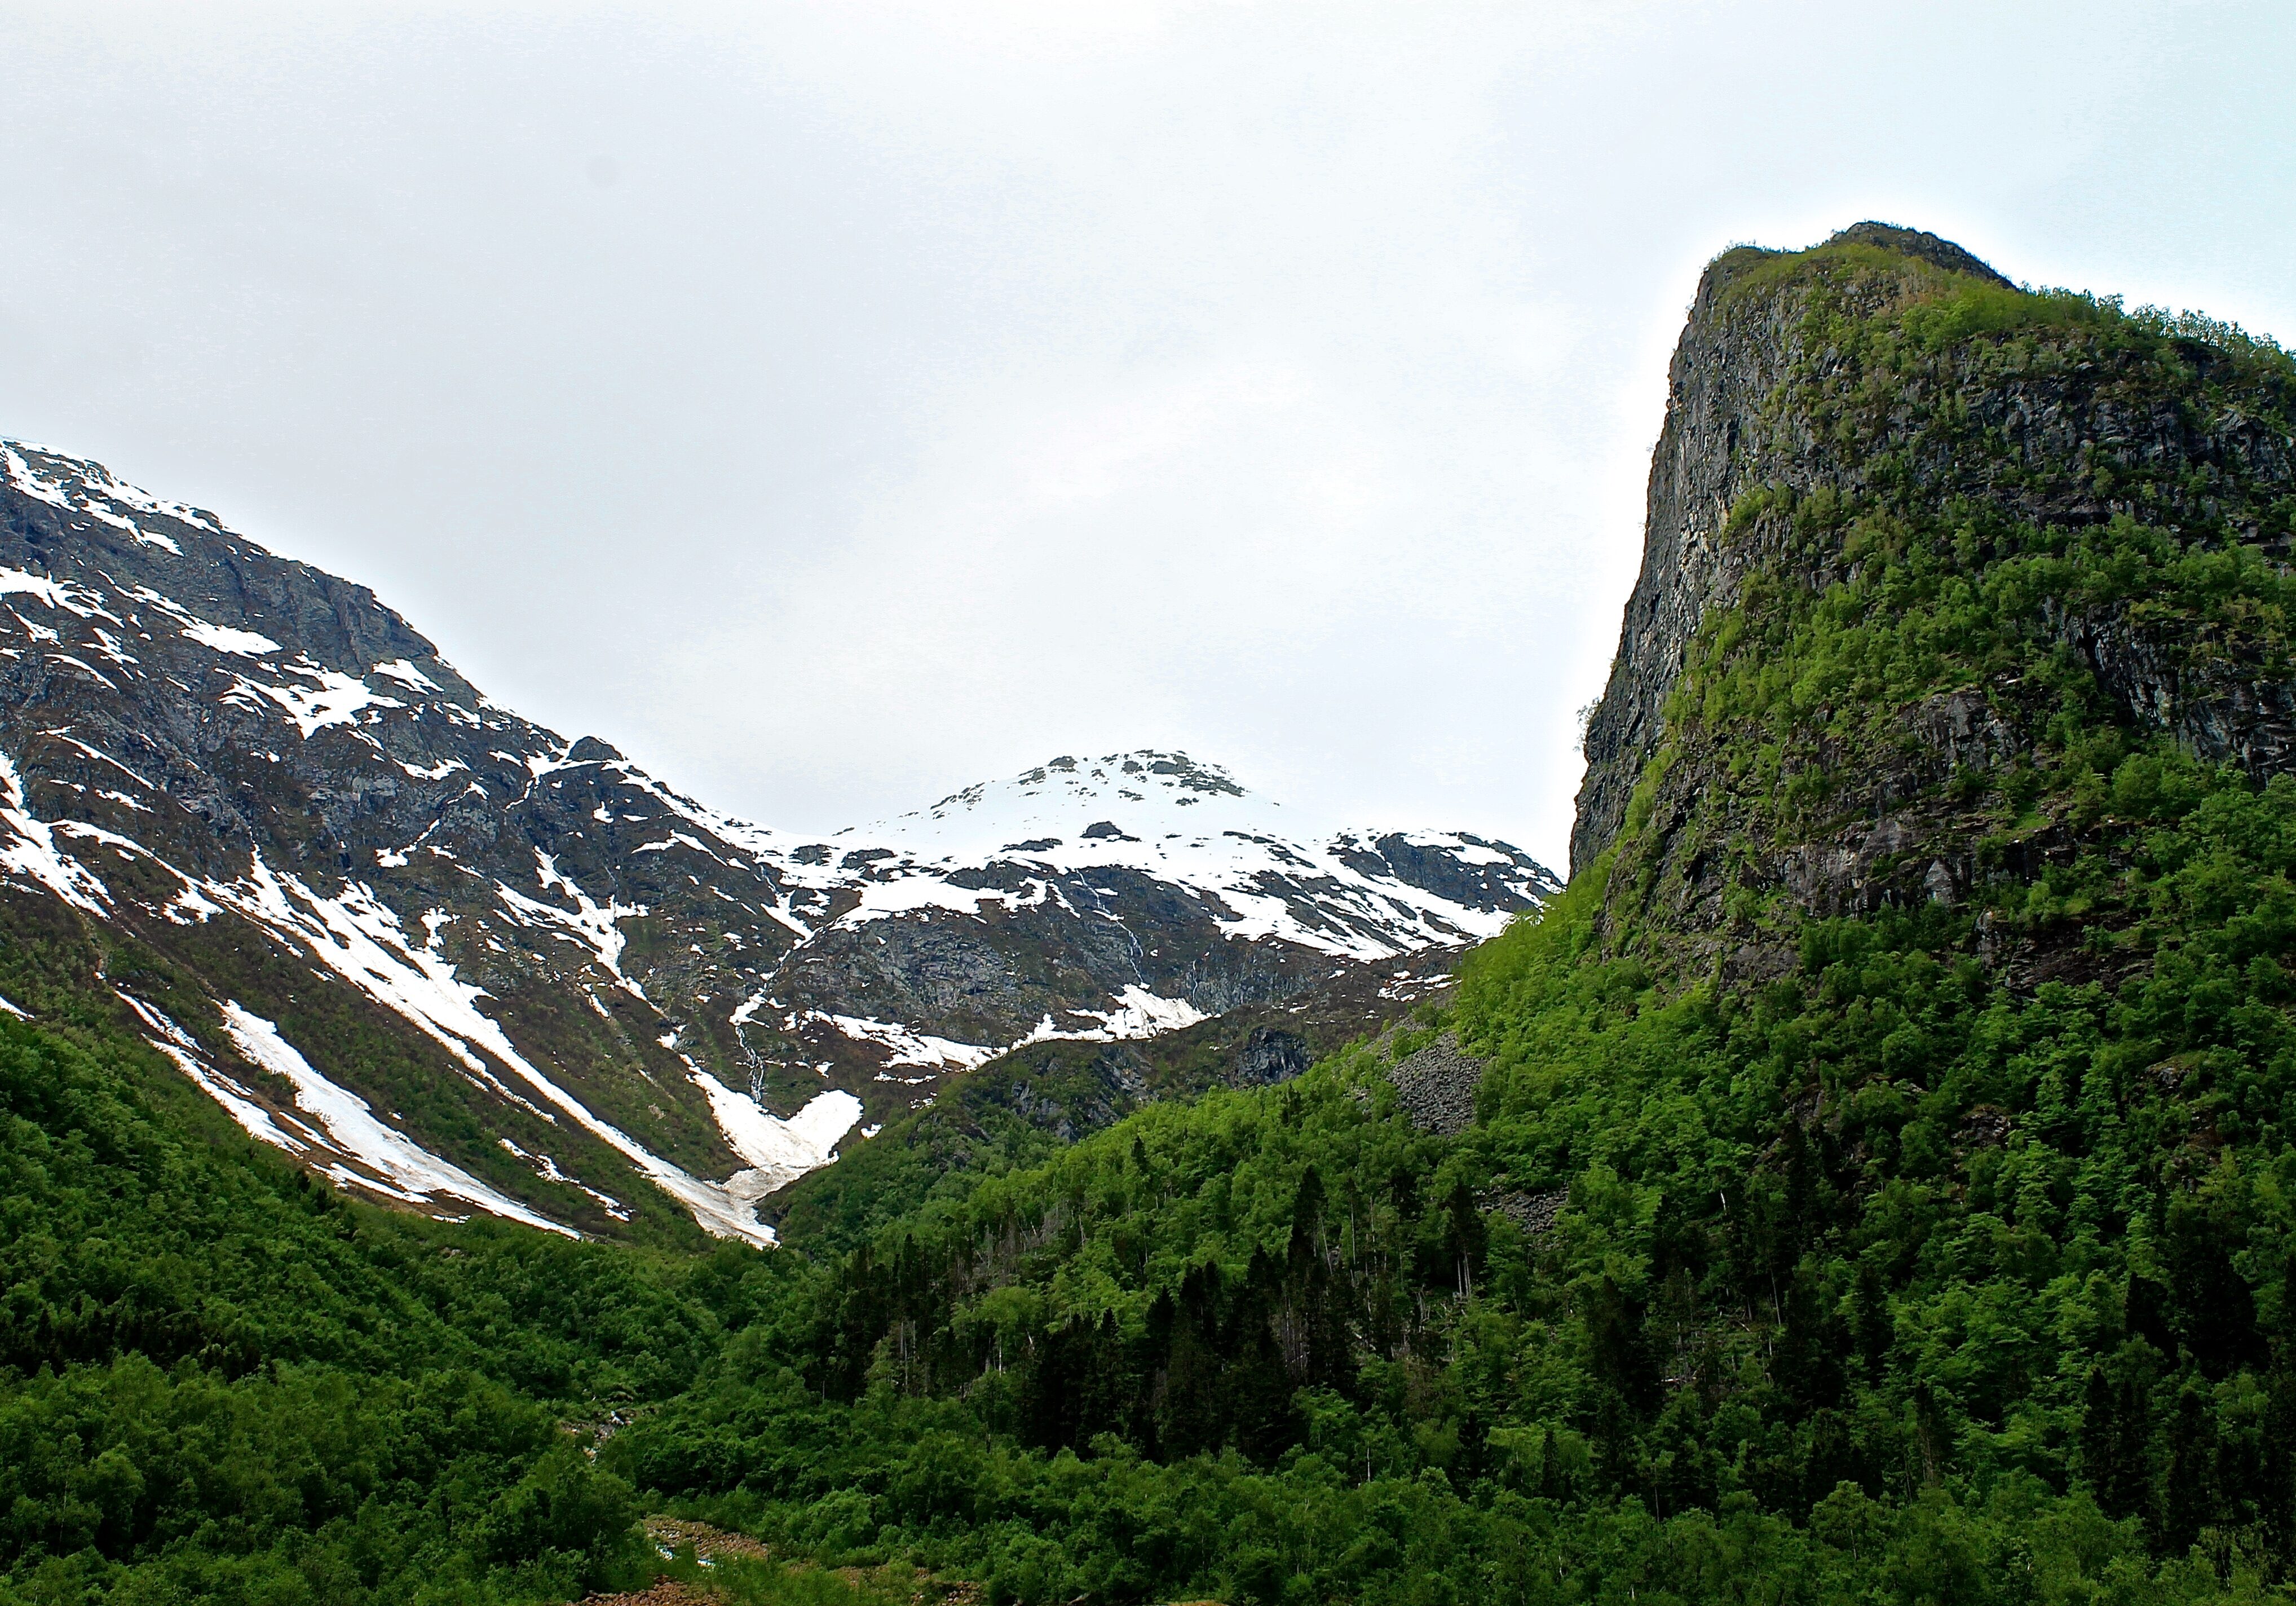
1734	354
1830	406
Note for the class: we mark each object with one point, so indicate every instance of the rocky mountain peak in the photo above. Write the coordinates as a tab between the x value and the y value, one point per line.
1061	799
1849	441
1742	340
1931	249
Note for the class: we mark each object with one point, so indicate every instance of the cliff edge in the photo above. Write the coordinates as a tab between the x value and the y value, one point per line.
1914	536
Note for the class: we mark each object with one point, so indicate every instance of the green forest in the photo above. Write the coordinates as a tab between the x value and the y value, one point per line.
1896	1272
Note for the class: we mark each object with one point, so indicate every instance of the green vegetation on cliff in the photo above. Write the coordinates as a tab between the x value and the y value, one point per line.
1881	1187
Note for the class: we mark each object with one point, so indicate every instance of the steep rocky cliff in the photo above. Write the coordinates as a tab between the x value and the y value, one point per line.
1733	355
1928	558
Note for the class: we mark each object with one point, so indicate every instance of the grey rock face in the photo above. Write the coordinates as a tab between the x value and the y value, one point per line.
2064	434
1495	881
1270	1055
1729	359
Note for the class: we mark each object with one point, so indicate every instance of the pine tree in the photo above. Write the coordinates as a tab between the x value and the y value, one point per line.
2100	1440
1552	1483
2188	1487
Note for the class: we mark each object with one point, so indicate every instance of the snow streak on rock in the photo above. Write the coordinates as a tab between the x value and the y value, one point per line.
393	1164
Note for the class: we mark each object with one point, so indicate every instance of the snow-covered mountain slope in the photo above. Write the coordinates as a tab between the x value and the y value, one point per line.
1356	894
1148	891
547	985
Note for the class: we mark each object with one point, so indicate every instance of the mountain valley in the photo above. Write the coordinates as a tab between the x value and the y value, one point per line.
1872	1178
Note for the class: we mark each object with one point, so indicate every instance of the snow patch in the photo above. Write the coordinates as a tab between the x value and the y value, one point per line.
336	698
904	1047
592	924
191	905
30	850
237	1101
223	638
1138	1013
54	594
779	1152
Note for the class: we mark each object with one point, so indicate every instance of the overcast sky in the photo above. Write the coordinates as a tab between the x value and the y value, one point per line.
833	404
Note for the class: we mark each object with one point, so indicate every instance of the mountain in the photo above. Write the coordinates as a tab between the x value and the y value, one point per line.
2092	507
457	961
1869	1179
1145	891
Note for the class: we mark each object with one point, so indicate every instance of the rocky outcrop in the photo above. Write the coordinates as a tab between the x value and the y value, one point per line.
1730	358
1715	444
2055	446
1436	1086
1888	400
2216	706
1270	1055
